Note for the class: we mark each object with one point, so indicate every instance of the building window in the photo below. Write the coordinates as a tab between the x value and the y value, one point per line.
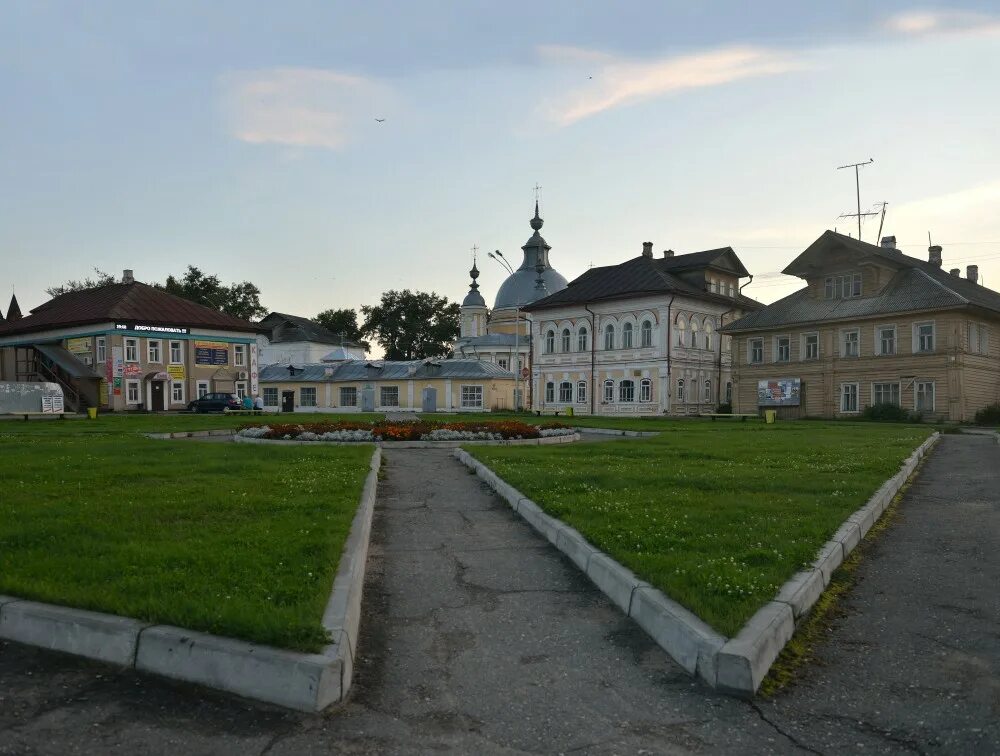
131	350
646	334
923	340
307	396
626	391
177	392
681	331
565	392
694	334
680	389
133	392
609	337
627	336
550	392
348	396
176	353
241	390
707	392
389	396
729	392
153	351
843	287
850	343
923	392
782	348
581	392
885	393
979	338
472	397
550	342
566	340
755	351
885	339
102	349
810	344
239	355
609	391
581	340
645	390
270	397
202	388
849	397
503	362
708	335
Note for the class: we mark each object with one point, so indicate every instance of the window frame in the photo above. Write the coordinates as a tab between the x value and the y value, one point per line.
180	351
344	391
751	350
550	392
609	337
706	396
609	391
626	390
581	339
239	355
709	331
898	392
916	395
857	397
566	340
383	391
101	349
133	343
199	385
917	337
174	385
646	334
804	355
242	390
565	392
627	331
550	341
879	345
277	396
468	393
130	384
581	392
302	396
844	342
156	344
788	348
646	390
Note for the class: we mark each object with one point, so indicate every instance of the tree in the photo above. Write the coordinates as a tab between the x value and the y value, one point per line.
240	300
343	322
412	325
103	279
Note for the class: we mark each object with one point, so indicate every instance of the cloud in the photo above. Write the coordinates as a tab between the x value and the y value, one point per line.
620	82
918	23
301	107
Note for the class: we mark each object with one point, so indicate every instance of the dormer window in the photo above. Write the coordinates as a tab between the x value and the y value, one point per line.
843	286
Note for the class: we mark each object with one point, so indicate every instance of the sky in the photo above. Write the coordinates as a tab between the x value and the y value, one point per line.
241	137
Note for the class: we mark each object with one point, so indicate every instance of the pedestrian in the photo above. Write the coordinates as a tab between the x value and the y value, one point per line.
258	403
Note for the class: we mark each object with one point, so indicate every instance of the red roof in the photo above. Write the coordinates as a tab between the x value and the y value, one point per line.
123	302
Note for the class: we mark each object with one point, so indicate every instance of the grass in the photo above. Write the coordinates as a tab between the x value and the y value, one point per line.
716	516
237	540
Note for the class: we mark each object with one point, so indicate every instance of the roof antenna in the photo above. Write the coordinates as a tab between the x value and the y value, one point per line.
857	185
878	239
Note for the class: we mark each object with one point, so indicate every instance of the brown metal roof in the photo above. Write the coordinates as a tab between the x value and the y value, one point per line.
136	302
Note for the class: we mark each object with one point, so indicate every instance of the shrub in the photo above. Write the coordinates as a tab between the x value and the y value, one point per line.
989	415
887	413
725	408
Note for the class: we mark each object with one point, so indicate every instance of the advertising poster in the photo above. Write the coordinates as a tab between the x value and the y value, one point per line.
132	370
778	392
253	370
211	353
78	346
118	368
176	372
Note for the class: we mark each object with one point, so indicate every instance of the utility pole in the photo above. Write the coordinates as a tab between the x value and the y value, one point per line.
857	185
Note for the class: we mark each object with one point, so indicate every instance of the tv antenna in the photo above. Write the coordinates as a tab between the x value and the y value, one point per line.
857	184
882	221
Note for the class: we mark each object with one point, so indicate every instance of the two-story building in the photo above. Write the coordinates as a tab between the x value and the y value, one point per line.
871	326
290	339
641	337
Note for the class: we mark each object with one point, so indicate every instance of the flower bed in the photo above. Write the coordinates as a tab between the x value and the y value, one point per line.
417	430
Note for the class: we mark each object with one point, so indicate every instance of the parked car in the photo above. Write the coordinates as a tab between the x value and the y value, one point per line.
215	403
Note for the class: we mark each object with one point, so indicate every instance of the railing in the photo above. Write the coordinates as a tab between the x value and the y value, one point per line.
70	395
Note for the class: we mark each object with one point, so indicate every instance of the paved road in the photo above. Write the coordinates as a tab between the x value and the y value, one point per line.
480	638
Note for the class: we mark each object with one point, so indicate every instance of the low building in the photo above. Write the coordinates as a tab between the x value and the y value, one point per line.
641	337
455	385
871	326
293	340
130	346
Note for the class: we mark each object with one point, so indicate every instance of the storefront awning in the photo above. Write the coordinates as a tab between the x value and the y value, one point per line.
66	360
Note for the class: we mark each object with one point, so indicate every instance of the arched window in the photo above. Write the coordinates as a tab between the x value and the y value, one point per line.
627	336
681	331
609	337
550	392
646	334
550	342
581	340
707	395
626	391
708	335
729	392
680	389
645	390
565	392
609	391
694	334
581	392
565	340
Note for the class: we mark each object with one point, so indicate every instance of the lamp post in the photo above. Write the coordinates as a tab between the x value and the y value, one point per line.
499	257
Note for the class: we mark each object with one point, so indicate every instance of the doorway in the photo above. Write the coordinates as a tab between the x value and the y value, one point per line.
157	396
288	401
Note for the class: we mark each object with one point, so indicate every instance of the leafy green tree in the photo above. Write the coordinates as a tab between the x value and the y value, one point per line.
241	300
412	325
103	279
344	322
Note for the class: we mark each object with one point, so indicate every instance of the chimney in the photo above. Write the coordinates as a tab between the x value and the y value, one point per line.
934	255
647	249
972	273
955	272
667	253
888	242
127	276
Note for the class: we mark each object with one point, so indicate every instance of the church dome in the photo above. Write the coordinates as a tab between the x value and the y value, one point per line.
521	286
474	298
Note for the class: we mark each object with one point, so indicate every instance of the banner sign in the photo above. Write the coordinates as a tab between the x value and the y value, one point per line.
253	370
78	346
147	328
778	392
176	372
132	370
104	393
211	353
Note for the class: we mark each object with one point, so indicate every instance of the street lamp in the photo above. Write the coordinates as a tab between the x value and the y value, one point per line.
499	257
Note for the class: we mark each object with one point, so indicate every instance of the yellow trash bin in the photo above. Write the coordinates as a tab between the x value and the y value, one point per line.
92	413
770	416
569	412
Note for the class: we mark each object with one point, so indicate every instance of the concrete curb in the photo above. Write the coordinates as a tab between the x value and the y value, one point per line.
614	432
735	665
308	682
415	444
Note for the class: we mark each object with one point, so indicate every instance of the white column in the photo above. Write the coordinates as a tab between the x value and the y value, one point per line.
409	393
447	392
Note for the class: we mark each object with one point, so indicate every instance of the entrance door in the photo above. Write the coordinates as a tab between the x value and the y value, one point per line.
157	396
368	399
428	400
288	401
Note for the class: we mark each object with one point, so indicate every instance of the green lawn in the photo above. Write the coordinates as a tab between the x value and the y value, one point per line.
232	539
718	516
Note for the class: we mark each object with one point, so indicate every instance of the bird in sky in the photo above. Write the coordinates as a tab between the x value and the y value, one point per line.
380	120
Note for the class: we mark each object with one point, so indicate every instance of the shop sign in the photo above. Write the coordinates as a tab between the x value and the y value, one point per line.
150	328
211	353
132	370
118	358
778	392
253	370
78	346
176	372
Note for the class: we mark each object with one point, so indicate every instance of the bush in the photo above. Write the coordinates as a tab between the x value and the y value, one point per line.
888	413
989	415
725	409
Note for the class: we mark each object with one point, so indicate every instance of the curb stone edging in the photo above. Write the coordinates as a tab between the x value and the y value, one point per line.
613	432
307	682
544	441
736	665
